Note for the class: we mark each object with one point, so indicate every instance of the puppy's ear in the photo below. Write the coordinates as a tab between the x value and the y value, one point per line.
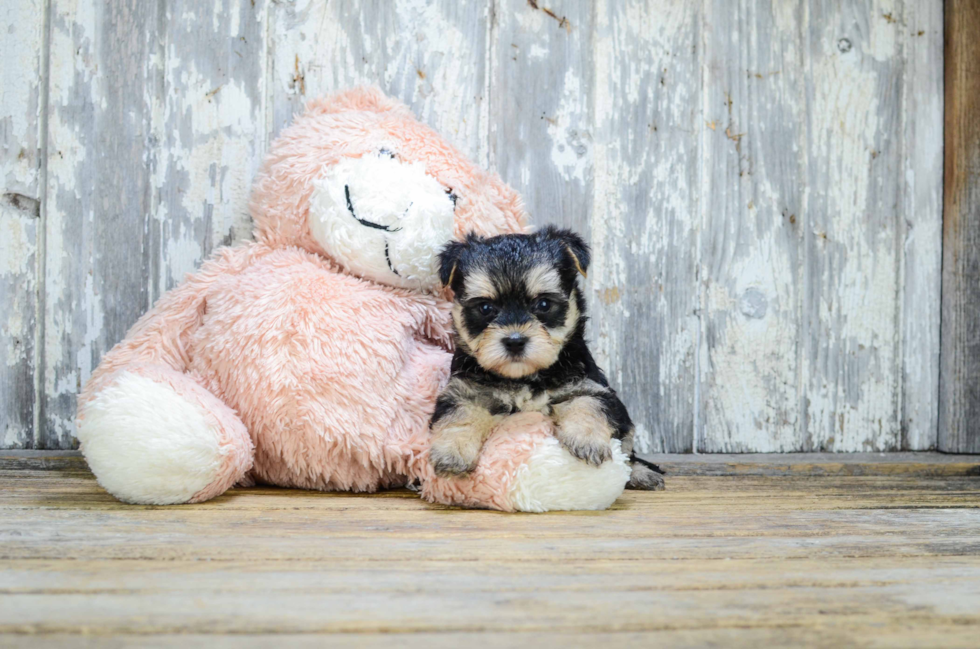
575	247
449	260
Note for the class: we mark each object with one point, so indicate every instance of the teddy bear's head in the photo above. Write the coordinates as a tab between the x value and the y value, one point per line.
360	181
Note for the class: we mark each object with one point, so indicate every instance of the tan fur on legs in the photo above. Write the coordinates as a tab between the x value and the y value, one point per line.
583	429
626	443
458	438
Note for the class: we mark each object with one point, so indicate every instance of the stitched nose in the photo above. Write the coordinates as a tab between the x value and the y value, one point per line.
515	343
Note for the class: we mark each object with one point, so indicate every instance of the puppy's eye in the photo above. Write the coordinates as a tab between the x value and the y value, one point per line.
542	305
487	309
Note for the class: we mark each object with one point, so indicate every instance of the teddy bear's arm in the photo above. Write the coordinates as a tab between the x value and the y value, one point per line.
160	336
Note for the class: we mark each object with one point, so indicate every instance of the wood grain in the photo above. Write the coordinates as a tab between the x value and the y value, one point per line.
734	560
829	637
430	55
920	464
922	212
760	184
541	106
644	229
959	402
22	23
154	140
821	636
925	464
853	227
754	148
209	132
97	198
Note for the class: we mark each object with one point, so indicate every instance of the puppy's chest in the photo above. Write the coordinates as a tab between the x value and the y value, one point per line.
522	399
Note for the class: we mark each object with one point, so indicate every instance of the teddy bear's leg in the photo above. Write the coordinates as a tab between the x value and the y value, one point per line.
152	435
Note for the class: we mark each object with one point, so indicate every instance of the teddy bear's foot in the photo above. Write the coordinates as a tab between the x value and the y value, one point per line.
552	479
152	435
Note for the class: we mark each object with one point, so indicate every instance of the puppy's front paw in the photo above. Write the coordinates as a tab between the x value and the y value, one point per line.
450	461
591	449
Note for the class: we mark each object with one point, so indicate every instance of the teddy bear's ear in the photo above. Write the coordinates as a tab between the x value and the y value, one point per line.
363	98
575	247
449	259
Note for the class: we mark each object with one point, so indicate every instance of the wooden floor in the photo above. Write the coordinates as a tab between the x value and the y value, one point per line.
737	558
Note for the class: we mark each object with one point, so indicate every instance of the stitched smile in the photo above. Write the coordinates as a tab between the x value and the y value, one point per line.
376	226
388	259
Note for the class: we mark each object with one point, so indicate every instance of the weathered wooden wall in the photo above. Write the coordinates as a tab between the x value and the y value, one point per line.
959	400
761	183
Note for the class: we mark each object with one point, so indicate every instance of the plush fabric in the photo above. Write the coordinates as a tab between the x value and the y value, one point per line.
312	357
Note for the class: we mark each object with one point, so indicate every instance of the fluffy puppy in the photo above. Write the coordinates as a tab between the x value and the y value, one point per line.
520	316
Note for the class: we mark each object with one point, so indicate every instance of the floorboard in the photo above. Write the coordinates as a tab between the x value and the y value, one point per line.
739	557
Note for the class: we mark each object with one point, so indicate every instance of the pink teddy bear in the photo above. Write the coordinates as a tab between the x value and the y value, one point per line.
312	357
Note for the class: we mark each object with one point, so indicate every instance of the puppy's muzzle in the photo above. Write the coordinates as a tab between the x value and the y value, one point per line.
514	344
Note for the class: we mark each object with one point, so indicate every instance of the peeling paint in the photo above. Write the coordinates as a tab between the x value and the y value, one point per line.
760	185
852	357
21	47
643	227
338	45
570	144
922	220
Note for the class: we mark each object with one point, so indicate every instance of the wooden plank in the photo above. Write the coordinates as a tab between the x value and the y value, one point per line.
347	531
98	202
816	464
959	402
431	55
21	84
853	226
21	460
434	607
753	216
727	560
50	515
141	577
209	132
73	490
922	211
922	464
829	635
644	229
541	115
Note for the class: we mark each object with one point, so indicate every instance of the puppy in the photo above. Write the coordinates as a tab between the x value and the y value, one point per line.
520	319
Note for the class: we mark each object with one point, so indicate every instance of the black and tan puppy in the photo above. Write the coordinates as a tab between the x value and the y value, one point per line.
520	346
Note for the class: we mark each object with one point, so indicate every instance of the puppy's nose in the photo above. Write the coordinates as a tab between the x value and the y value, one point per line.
515	343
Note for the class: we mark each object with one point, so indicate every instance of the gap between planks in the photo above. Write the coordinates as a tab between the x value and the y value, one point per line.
679	464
